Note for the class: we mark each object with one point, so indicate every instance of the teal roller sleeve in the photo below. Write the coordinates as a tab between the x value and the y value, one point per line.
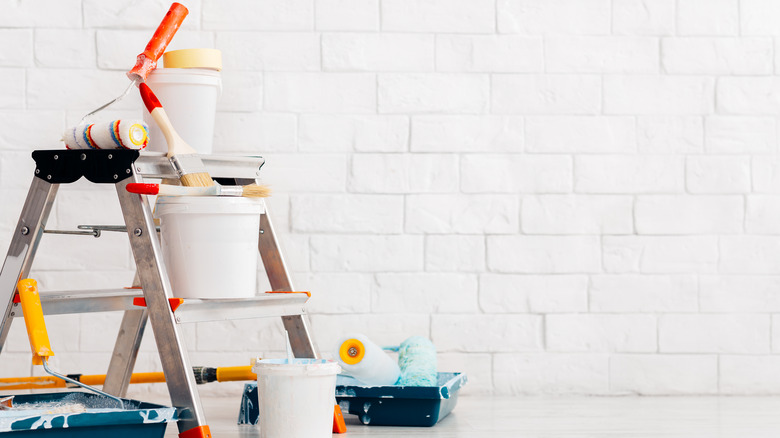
417	361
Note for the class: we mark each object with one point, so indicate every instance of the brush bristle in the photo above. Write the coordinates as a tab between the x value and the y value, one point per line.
202	179
256	191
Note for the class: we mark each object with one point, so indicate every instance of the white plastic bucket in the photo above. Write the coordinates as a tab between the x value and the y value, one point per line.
296	399
189	97
209	244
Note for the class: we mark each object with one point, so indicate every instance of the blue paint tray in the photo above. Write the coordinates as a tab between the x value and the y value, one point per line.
381	405
399	405
32	417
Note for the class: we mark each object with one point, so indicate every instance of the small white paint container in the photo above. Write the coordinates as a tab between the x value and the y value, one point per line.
296	399
209	244
189	97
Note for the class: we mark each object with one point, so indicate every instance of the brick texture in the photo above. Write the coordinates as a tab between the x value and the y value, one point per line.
567	196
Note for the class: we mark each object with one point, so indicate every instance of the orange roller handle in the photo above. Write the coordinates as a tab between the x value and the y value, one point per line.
39	382
147	60
100	379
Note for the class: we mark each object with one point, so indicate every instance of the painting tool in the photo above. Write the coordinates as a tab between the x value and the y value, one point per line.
147	60
248	191
366	361
417	362
184	158
202	375
39	337
116	134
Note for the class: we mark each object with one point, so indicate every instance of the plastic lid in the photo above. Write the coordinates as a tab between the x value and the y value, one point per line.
298	367
216	205
193	58
184	76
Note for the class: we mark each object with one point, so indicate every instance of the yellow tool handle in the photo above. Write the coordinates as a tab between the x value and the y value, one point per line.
33	319
99	379
41	382
234	374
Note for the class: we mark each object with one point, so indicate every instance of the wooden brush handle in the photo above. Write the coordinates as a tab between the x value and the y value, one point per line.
147	60
159	115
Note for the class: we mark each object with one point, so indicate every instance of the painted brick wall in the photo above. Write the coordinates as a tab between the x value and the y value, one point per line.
567	196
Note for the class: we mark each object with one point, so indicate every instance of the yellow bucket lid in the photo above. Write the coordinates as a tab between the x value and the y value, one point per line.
193	58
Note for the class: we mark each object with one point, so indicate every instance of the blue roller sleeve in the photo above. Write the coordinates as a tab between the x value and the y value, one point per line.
417	361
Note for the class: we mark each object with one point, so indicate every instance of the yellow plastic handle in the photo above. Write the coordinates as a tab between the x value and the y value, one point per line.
33	319
235	374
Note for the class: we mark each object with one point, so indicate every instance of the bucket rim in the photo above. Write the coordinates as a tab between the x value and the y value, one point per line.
168	71
307	367
216	205
185	76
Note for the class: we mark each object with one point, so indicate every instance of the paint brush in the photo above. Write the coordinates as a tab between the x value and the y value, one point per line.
147	60
249	191
184	158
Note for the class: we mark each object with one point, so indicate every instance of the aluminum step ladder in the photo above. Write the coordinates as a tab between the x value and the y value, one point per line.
121	167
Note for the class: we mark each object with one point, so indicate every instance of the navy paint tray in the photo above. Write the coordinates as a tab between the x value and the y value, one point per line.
381	405
399	405
30	417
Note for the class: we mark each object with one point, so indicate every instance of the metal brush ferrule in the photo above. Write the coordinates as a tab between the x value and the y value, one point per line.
187	164
231	191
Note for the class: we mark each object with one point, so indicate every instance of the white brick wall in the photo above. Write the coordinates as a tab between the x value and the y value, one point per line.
567	196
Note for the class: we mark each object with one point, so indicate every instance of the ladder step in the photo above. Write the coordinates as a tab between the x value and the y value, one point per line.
190	309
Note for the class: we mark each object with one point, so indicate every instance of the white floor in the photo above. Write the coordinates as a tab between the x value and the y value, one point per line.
503	417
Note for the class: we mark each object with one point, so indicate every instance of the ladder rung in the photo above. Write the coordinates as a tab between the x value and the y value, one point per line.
157	165
191	310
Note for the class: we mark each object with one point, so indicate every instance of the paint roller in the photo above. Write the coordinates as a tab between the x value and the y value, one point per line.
116	134
368	362
202	375
147	60
39	337
417	362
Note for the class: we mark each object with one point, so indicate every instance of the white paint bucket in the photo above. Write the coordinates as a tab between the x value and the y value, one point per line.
209	244
189	97
296	399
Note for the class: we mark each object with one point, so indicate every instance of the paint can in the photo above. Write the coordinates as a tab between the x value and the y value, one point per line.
296	397
188	88
209	244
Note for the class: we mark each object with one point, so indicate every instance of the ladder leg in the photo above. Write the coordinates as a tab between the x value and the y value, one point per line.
21	252
157	290
128	341
279	277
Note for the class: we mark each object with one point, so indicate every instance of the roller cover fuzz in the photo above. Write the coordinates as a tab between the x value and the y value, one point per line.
417	361
116	134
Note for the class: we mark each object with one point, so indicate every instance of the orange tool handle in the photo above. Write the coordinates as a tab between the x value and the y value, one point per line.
39	382
147	60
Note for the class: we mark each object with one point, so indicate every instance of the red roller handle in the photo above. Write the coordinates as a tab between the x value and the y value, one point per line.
147	60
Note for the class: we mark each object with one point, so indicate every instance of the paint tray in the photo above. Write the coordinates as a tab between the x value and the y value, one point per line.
399	405
381	405
32	417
